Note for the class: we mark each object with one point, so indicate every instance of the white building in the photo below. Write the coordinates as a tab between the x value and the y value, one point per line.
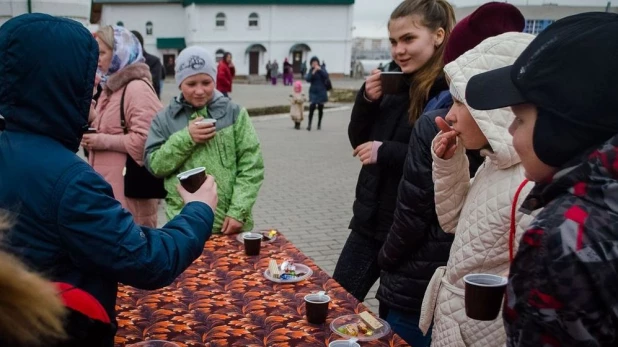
540	14
78	10
254	31
371	48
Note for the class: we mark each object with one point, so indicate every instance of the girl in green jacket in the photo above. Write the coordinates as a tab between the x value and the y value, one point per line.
229	149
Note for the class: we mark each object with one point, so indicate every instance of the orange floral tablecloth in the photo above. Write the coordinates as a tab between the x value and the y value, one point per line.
223	300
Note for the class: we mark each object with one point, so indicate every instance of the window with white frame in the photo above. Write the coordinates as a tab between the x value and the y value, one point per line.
535	26
254	20
220	20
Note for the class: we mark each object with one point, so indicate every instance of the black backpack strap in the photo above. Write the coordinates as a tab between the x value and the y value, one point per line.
123	122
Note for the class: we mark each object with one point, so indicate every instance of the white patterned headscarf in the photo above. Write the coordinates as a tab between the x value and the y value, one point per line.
127	50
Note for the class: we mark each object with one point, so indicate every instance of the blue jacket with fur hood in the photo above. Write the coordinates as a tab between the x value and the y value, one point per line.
68	226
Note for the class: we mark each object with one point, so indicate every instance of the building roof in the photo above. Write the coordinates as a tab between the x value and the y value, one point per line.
137	1
272	2
231	2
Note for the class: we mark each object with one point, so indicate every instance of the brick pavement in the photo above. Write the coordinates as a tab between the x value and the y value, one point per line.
309	186
252	95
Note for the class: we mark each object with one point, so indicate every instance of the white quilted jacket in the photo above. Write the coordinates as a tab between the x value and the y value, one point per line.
478	210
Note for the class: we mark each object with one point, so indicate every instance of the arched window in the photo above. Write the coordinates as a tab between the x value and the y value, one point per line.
254	20
220	20
219	54
120	23
149	28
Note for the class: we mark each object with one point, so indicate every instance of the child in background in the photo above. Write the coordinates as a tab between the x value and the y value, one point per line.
297	105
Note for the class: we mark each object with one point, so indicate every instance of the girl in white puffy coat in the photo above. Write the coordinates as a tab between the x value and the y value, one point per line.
477	211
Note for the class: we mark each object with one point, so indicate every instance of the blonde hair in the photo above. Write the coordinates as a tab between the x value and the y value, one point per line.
106	34
31	312
434	14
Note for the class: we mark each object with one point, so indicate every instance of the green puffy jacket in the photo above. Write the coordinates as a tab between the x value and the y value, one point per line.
233	156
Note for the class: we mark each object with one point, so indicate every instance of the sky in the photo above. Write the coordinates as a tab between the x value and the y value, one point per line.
371	16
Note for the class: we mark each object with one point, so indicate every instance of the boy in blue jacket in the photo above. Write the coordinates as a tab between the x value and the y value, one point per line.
68	226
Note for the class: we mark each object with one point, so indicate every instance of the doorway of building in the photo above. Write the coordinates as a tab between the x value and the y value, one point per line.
254	63
169	61
297	60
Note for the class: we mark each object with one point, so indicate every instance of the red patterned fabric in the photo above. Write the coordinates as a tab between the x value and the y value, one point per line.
223	299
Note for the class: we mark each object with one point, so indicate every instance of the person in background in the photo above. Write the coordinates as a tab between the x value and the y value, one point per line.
157	71
563	281
318	95
288	75
126	76
477	211
268	67
379	132
67	223
297	107
303	69
229	150
225	74
274	72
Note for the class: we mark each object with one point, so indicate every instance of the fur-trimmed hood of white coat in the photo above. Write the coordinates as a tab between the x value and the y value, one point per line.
491	54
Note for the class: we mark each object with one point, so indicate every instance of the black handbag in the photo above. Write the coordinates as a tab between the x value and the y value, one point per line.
328	84
139	183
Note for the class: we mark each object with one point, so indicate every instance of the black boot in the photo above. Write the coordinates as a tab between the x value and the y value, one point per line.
320	114
311	110
297	126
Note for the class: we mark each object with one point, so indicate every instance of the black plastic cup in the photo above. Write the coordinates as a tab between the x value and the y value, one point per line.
193	179
483	297
317	308
392	82
253	243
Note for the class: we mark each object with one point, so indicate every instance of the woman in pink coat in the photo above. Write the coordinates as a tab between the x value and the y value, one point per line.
122	64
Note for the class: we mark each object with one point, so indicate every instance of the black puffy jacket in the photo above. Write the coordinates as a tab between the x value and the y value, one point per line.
376	190
416	245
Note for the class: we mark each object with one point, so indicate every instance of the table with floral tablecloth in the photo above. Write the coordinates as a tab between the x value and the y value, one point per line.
223	300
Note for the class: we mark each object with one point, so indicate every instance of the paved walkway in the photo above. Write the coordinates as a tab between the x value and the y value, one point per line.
309	186
260	95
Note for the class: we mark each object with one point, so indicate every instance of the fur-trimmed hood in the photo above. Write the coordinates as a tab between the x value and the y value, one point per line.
129	73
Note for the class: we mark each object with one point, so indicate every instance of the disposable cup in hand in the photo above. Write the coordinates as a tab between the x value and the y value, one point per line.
253	243
317	308
193	179
392	82
343	343
207	121
483	296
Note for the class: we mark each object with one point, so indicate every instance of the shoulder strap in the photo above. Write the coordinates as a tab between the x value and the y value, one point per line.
513	229
123	122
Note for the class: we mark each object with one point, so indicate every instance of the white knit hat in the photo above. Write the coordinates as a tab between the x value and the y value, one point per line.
192	61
